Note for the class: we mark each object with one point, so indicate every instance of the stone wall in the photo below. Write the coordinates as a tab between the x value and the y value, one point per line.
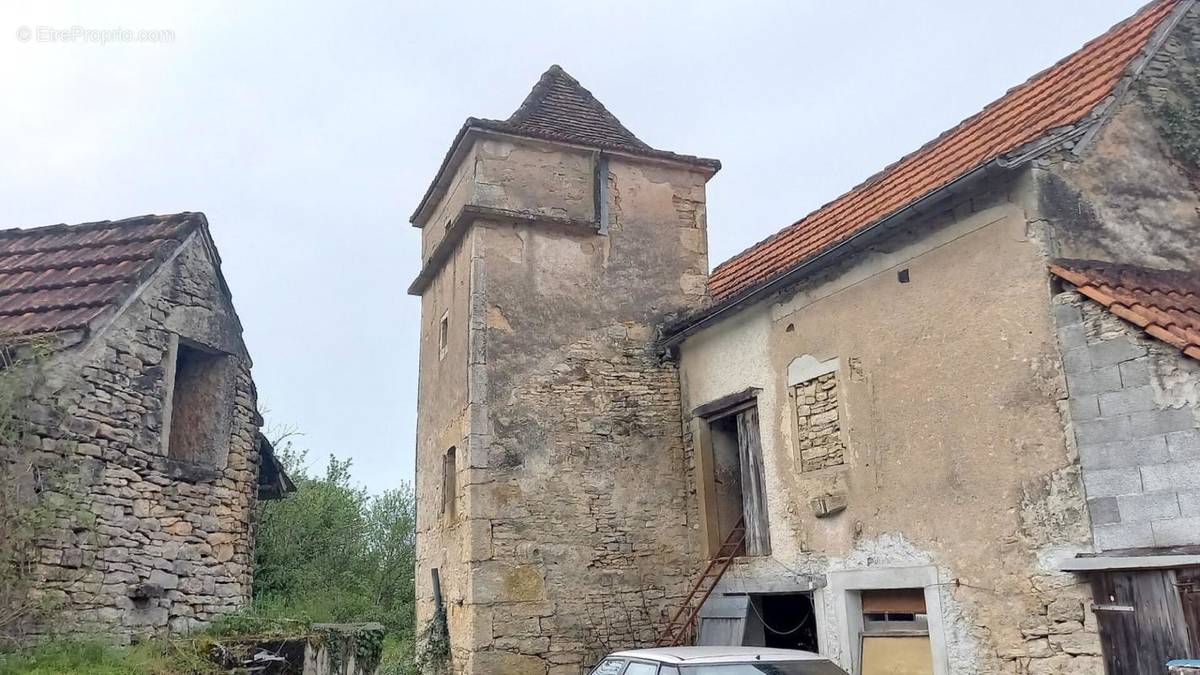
572	535
1129	195
144	544
1135	414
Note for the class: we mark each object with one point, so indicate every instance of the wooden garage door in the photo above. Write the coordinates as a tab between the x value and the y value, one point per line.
1142	621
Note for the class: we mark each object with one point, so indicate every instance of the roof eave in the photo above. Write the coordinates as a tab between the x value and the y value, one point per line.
475	127
675	334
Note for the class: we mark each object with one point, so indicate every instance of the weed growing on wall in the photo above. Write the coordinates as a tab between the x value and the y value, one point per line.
29	496
1178	114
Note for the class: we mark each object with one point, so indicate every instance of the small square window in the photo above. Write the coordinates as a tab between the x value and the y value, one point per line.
444	335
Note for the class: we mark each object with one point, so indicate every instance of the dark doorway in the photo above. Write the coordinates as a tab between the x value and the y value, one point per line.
738	478
782	621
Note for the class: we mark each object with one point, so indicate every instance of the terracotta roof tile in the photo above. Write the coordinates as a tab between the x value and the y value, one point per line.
1164	303
63	277
1058	97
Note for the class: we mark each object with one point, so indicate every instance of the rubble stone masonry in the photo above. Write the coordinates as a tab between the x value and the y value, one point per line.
144	544
818	424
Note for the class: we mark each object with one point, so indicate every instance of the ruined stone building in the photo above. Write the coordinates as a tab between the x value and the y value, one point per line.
955	412
139	417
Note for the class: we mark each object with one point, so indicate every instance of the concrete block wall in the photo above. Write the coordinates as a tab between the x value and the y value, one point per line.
1133	411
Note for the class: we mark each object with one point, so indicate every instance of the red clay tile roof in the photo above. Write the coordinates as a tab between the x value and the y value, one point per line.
1164	303
1060	96
63	277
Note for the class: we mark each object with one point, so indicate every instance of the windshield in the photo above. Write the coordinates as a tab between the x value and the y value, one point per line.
790	668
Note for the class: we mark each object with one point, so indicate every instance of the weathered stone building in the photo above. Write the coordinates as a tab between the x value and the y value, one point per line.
140	417
554	243
956	408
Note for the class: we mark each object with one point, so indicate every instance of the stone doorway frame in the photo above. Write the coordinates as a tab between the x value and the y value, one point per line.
845	594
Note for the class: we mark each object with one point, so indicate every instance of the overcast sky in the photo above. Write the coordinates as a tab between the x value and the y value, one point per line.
307	131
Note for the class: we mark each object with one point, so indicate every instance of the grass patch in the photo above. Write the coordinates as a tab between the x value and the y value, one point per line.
63	657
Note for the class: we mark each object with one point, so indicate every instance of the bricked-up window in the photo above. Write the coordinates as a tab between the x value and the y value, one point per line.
196	424
818	425
449	483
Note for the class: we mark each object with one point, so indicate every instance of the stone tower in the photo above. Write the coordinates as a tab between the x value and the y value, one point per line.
552	483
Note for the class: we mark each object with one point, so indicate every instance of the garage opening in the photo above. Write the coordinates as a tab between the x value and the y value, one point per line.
782	621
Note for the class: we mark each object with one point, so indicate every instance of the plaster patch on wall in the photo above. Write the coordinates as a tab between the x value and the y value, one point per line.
1053	514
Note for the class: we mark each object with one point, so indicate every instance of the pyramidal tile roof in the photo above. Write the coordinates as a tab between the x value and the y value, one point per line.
558	108
63	277
1062	95
1164	303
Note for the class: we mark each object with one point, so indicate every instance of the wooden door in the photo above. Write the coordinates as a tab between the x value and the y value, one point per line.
1141	621
754	490
1189	597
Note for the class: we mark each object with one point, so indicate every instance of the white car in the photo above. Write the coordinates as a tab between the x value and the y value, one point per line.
716	661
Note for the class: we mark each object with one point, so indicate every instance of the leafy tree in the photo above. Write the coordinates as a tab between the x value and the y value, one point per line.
332	552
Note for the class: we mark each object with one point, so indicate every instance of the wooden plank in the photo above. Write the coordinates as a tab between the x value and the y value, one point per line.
894	600
1139	642
754	489
727	404
1189	598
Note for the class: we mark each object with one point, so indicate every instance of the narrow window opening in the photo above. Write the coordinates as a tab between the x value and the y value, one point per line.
449	483
444	335
902	276
198	417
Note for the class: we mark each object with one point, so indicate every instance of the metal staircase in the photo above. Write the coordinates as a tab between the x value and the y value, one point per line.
681	629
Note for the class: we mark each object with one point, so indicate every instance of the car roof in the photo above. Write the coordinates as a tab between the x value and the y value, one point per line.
705	655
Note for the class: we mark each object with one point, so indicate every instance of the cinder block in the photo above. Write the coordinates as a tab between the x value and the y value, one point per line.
1067	315
1135	373
1103	430
1123	535
1112	352
1165	421
1141	452
1104	511
1149	506
1072	336
1177	476
1084	408
1184	445
1127	401
1077	360
1094	381
1176	532
1189	504
1111	482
